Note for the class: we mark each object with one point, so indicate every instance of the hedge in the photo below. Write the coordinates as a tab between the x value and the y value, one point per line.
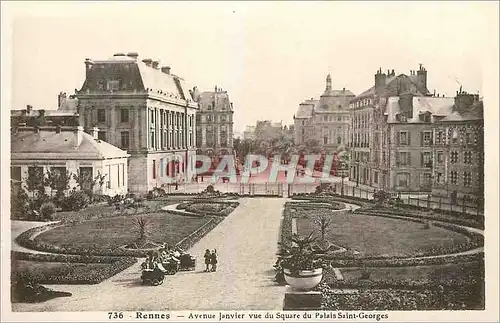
406	262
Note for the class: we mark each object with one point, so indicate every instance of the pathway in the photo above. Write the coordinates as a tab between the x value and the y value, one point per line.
246	244
18	227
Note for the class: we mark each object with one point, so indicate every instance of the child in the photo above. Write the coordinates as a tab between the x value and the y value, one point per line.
213	260
207	260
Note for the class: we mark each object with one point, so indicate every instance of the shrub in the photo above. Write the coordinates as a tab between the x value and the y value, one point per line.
156	193
47	210
76	201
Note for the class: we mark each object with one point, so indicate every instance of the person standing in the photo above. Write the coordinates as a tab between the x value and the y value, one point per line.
207	257
213	260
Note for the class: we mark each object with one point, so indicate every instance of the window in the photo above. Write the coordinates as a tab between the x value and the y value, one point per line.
124	115
302	122
101	135
325	118
339	119
403	158
153	139
454	157
454	136
426	160
125	140
113	85
453	177
154	169
439	178
403	138
86	178
123	174
468	138
222	118
101	115
467	179
426	138
209	117
15	176
439	156
325	140
468	157
339	140
402	180
439	137
151	116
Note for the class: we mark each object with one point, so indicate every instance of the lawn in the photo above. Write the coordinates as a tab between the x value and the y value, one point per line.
113	232
374	236
103	210
60	272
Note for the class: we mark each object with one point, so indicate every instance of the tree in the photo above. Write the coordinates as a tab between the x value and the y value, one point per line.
57	180
142	228
323	222
81	179
100	178
35	182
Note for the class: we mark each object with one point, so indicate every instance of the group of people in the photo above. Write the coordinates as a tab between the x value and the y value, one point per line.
210	260
165	254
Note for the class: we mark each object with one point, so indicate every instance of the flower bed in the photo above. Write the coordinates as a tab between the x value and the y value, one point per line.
453	298
46	272
210	207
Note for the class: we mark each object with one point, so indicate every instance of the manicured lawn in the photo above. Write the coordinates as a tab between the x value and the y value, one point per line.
379	236
113	232
97	211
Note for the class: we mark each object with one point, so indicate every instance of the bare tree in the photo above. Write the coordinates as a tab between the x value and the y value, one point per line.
323	222
143	228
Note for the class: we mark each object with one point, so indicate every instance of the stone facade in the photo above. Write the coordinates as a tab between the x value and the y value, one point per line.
146	110
214	122
458	150
370	136
327	120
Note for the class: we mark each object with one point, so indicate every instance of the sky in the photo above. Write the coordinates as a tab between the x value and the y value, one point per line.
269	56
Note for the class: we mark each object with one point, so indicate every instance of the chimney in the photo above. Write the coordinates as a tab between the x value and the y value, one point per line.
88	66
133	55
95	132
29	108
216	89
147	61
166	69
155	64
61	98
78	136
422	77
380	79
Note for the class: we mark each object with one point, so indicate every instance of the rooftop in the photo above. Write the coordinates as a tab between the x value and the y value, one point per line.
48	144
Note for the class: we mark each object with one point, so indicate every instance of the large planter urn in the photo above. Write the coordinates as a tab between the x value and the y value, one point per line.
303	279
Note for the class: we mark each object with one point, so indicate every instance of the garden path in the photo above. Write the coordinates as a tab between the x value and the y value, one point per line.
246	242
18	227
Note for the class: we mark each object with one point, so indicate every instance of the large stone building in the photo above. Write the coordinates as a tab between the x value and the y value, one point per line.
458	149
145	110
326	120
51	141
214	123
369	137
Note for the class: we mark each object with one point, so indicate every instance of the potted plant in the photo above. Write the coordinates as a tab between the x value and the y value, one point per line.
302	267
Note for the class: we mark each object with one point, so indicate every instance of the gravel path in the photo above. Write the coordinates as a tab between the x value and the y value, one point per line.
18	227
246	242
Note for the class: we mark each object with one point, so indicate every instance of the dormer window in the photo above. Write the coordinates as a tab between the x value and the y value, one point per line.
113	85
